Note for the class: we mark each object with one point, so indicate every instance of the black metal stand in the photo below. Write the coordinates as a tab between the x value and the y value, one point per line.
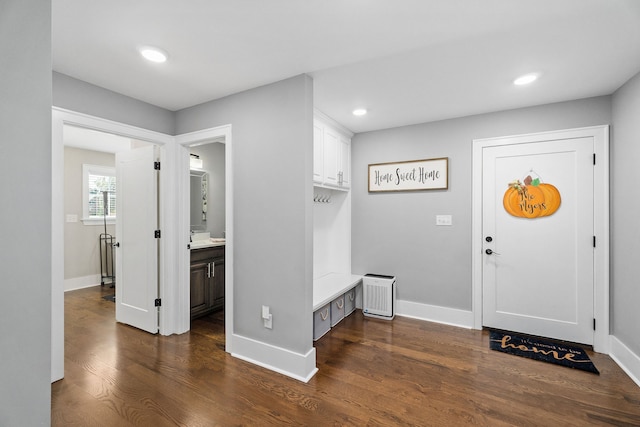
106	253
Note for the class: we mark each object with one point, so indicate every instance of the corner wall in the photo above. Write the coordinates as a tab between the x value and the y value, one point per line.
625	233
272	128
25	252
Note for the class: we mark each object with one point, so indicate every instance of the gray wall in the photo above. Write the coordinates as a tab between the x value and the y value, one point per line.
272	153
79	96
213	158
81	246
395	233
625	233
25	251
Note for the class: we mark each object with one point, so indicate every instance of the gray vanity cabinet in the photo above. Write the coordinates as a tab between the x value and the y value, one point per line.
207	280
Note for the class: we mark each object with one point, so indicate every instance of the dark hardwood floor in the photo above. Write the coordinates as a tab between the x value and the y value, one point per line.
374	373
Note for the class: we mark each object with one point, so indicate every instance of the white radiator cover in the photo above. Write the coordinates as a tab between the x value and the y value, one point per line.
379	296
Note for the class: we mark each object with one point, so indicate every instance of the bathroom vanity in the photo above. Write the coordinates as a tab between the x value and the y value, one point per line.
207	279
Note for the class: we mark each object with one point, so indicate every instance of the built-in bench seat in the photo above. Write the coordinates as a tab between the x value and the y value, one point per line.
333	298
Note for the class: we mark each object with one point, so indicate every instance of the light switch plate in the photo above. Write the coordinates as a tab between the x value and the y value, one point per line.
72	218
444	220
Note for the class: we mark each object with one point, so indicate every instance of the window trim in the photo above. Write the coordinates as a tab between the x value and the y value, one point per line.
94	170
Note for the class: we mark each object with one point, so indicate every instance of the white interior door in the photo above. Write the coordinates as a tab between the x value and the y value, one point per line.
137	246
538	273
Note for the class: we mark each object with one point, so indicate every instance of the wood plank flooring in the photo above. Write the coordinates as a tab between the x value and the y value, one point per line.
373	373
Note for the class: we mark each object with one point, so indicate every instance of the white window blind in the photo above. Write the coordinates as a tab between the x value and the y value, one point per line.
98	180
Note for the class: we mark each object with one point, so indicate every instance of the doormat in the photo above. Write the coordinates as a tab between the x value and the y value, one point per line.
111	298
542	349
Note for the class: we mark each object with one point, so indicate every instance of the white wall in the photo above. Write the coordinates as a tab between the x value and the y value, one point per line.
25	219
331	233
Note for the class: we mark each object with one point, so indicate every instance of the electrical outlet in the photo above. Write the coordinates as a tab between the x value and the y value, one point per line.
443	220
72	218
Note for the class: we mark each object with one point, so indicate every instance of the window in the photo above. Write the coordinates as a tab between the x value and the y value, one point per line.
96	181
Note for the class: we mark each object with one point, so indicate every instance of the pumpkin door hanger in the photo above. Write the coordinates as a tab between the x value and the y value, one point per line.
531	199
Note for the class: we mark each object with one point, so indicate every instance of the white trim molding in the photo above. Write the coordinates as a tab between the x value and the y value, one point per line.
82	282
626	359
600	135
434	313
301	367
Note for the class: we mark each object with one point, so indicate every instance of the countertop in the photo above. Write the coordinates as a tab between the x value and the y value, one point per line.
208	243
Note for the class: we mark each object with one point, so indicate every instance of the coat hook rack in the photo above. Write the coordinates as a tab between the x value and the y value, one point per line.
321	198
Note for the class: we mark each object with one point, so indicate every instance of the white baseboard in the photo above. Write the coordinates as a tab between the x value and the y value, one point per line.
301	367
626	359
81	282
434	313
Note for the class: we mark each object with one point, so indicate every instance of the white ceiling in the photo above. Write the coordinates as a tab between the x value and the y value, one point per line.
406	61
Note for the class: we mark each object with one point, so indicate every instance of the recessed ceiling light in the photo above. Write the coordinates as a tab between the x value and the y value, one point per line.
526	79
153	54
359	112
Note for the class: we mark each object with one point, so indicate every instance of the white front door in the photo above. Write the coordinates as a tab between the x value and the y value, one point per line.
137	246
538	265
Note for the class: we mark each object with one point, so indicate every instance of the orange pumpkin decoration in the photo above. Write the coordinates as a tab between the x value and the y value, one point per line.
531	200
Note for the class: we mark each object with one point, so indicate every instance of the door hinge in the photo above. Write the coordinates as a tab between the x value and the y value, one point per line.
158	302
594	241
156	234
594	324
594	158
156	166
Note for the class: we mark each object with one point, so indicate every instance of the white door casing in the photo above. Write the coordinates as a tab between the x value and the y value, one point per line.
137	245
599	135
221	134
538	272
61	118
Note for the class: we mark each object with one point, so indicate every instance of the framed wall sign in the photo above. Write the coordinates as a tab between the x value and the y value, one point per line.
412	175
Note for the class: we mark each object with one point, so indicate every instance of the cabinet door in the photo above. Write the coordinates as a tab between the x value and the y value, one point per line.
331	156
318	154
199	287
217	283
344	178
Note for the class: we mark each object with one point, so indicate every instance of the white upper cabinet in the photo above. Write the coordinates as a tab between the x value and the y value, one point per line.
332	155
318	154
344	166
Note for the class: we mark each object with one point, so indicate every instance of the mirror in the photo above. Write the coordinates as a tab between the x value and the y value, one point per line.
199	183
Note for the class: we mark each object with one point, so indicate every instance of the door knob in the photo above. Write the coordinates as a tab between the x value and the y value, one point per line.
117	244
490	252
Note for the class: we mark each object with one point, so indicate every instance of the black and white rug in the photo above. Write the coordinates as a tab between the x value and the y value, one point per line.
542	349
111	298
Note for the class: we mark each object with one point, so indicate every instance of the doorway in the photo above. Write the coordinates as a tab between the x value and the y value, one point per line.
542	273
60	119
173	221
186	143
92	161
207	228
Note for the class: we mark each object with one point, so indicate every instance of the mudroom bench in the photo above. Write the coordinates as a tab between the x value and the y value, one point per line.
334	297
